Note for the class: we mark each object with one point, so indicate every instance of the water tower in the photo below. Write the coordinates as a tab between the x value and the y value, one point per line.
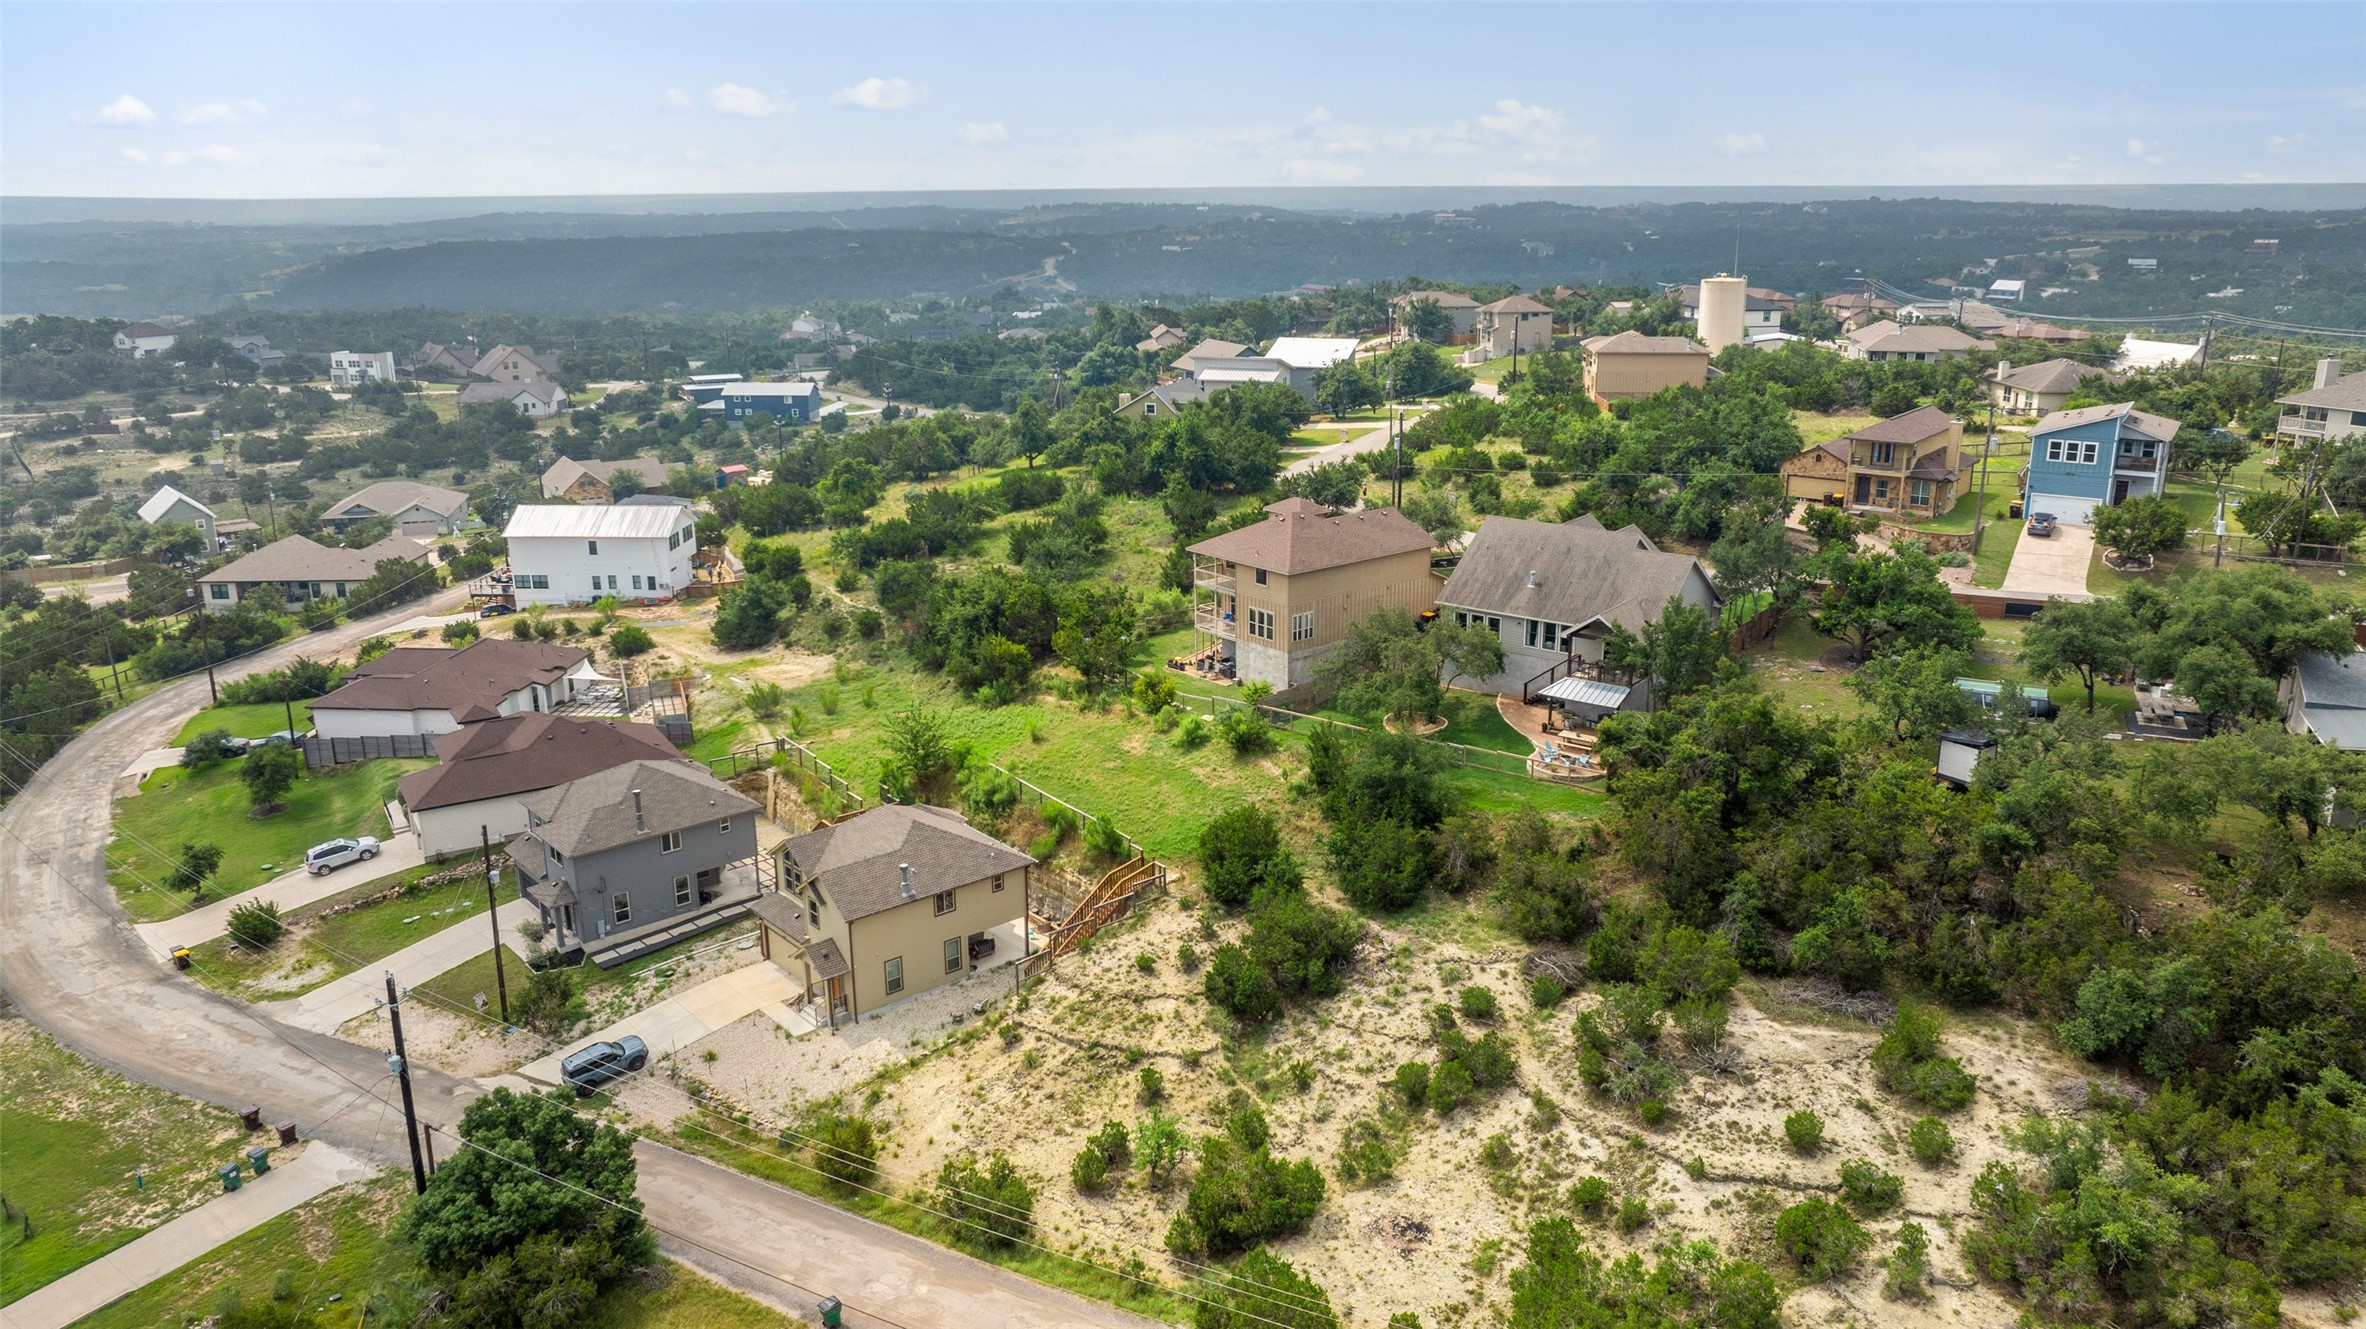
1723	299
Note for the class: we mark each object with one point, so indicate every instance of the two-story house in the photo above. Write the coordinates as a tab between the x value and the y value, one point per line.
595	481
2041	388
1462	309
516	364
1283	591
1630	364
170	504
139	340
616	858
2333	408
422	691
891	903
2080	460
1552	591
534	398
351	369
1516	321
484	770
575	555
752	403
1910	464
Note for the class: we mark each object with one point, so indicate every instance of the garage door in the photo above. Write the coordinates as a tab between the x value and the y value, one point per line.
2066	509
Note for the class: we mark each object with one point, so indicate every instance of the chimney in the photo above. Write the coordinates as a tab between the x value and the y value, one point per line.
1532	579
638	824
906	869
2328	371
2002	365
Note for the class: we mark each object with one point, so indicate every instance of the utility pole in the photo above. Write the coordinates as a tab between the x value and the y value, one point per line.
286	705
2219	559
493	903
1987	453
205	643
401	1066
2209	334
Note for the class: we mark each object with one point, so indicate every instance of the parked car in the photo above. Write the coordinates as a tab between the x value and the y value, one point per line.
600	1063
322	859
279	736
229	746
2041	523
495	611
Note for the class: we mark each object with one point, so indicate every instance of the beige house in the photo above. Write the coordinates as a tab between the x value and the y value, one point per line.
1931	342
2041	388
588	481
516	364
1161	338
1457	306
1282	592
1855	310
2334	407
1629	364
1512	322
890	903
1910	464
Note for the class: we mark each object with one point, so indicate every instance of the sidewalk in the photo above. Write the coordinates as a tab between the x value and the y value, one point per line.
686	1017
317	1167
152	761
330	1005
290	891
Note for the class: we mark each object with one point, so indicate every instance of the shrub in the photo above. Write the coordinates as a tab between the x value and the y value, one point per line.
1477	1003
845	1149
1240	851
1930	1139
204	750
1153	1084
1159	1144
629	641
549	1004
1590	1196
1244	733
1240	987
766	700
1104	839
1242	1195
1263	1291
1820	1237
1805	1130
1113	1143
1868	1189
1191	732
1545	991
1364	1155
1153	692
522	628
1449	1087
460	633
1700	1022
257	924
991	1206
1382	865
1632	1214
1412	1084
1908	1063
1187	958
1145	962
1907	1263
1653	1111
1090	1171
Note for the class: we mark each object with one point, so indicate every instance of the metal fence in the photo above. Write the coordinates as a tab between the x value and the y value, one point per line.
1032	795
323	752
796	755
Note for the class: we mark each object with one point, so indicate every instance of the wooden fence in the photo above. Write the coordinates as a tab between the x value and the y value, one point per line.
761	756
57	572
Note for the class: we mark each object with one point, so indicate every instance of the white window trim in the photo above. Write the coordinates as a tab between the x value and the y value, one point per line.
623	907
682	892
670	842
893	971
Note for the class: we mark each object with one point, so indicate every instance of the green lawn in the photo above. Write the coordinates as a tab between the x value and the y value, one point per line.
259	720
176	807
332	947
73	1136
340	1245
1816	427
1997	543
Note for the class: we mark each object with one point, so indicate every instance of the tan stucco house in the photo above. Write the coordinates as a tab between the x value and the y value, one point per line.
1629	364
1282	592
1910	464
890	903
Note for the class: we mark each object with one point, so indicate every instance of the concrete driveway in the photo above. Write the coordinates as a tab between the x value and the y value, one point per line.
2052	565
289	890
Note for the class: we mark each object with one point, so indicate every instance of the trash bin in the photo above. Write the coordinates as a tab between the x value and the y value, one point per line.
287	1133
180	957
259	1158
2013	511
251	1118
830	1310
230	1177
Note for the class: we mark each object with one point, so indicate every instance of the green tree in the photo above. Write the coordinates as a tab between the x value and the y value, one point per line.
197	864
1915	690
1345	388
920	755
1878	598
2141	527
1241	853
2088	639
529	1167
1821	1237
2213	454
1159	1145
1428	321
270	772
1263	1291
990	1204
1029	433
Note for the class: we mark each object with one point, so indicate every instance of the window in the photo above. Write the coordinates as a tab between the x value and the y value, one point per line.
2053	449
1261	624
953	956
1302	626
1149	409
1533	625
1885	454
611	581
723	827
1552	636
636	581
595	547
895	975
1881	490
681	891
944	902
624	907
1919	493
2087	456
221	590
596	588
674	541
813	912
670	842
998	881
1260	576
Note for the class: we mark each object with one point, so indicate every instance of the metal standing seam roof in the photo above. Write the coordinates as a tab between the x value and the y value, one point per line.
1587	692
162	501
1311	352
2333	689
592	521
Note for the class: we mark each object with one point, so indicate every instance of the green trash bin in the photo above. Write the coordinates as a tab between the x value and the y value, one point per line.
230	1177
259	1158
830	1310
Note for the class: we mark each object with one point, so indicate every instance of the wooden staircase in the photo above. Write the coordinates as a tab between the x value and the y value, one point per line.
1104	904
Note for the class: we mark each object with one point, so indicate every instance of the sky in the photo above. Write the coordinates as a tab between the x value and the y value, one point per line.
425	100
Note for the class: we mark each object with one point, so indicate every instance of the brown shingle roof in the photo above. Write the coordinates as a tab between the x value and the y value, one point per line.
783	914
471	683
860	861
519	754
1911	427
1444	299
1516	304
299	559
1301	536
597	813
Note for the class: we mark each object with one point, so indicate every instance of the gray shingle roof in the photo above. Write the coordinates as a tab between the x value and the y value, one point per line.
299	559
2142	424
391	496
596	813
2048	376
859	861
1301	536
1582	571
2342	394
1924	337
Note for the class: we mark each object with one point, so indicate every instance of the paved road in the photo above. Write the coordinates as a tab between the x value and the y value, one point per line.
97	592
2052	565
71	964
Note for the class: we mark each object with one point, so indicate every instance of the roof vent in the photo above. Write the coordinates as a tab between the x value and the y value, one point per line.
1532	579
906	870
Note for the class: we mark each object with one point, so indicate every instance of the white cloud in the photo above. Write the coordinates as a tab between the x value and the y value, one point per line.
2280	144
982	131
2148	153
212	154
1518	119
135	157
677	99
1741	144
878	94
733	99
223	113
1321	172
121	113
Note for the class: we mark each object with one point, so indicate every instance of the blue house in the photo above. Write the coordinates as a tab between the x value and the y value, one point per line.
2079	460
704	388
790	403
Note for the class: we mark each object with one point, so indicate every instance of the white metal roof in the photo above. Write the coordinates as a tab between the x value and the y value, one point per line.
1586	692
162	501
600	521
802	388
1312	352
1222	376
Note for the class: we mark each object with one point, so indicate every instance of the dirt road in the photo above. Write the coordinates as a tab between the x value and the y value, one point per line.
70	962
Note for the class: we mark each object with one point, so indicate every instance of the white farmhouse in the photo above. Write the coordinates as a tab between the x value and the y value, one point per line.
351	369
574	555
143	339
533	398
170	504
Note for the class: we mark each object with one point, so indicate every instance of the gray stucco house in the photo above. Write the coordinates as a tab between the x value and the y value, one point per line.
636	856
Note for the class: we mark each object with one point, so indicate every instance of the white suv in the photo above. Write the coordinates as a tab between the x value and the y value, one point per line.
320	859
